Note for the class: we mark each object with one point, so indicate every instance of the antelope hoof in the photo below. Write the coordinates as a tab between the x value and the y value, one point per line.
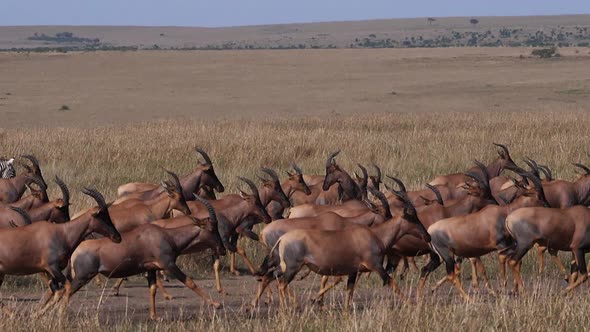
222	292
236	273
169	297
216	305
156	318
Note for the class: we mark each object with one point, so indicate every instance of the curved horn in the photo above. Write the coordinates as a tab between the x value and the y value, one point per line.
384	203
532	165
210	209
204	155
65	192
23	214
97	197
410	213
296	168
437	193
484	170
399	183
252	188
504	148
547	172
538	187
583	167
32	159
331	157
483	185
36	180
378	171
271	173
365	174
175	180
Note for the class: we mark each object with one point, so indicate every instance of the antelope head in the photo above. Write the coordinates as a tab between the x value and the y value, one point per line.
410	214
254	202
60	211
534	191
174	191
504	159
40	192
100	219
273	186
208	176
211	225
296	180
34	170
333	172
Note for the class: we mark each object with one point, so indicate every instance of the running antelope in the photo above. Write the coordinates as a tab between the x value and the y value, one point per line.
134	212
56	211
203	175
475	235
478	196
45	247
504	161
147	248
327	221
559	229
236	214
341	253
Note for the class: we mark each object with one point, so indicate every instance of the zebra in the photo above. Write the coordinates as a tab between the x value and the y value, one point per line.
7	170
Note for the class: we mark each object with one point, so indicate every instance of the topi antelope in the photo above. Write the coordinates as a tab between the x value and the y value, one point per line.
56	211
478	196
327	221
504	161
294	185
236	215
342	253
11	190
559	229
147	248
37	197
45	247
203	175
475	235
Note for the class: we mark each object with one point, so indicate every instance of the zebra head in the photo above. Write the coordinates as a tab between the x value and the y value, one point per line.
7	170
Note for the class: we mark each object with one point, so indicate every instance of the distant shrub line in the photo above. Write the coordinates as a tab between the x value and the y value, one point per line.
502	37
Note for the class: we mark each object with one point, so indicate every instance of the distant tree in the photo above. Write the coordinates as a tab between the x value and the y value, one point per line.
431	20
474	21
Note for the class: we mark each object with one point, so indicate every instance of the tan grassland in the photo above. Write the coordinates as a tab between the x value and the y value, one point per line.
416	113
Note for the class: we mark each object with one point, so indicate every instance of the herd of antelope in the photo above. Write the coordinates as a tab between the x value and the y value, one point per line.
328	224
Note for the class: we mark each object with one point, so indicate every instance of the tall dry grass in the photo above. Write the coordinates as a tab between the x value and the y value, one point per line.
415	147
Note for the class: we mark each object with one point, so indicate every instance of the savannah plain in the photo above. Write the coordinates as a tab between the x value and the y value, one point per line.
107	118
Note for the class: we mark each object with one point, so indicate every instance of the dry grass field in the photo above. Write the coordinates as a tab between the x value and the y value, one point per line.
416	113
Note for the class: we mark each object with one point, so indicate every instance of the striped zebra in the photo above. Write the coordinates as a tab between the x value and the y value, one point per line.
7	170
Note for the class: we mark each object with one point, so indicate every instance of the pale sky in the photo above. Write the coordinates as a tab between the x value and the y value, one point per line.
215	13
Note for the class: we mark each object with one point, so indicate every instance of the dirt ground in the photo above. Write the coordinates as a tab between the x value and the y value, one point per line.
129	87
132	303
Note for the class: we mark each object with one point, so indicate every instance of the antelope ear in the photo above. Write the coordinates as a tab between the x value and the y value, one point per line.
164	184
243	195
206	167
